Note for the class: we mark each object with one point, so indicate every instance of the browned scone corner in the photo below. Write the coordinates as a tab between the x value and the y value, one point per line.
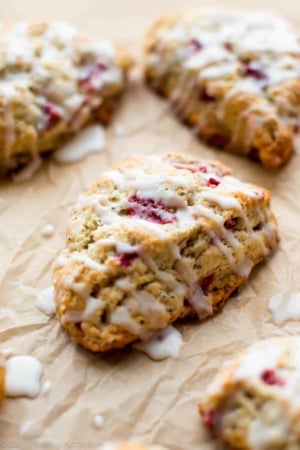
2	378
54	81
233	77
156	239
253	401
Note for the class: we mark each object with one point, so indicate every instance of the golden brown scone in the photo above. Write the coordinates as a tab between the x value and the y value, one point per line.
233	77
129	446
53	81
2	378
156	239
253	402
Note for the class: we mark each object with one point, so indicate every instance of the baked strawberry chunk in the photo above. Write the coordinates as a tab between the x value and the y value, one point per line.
52	115
270	377
92	79
150	210
126	259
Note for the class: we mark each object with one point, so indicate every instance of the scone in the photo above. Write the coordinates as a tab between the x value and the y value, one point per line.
129	446
2	378
53	80
253	403
156	239
233	77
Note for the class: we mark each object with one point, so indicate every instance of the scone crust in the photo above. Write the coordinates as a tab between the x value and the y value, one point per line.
54	80
157	239
239	91
2	378
253	401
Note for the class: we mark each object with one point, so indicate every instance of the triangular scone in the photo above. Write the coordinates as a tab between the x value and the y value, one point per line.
253	402
53	81
233	77
156	239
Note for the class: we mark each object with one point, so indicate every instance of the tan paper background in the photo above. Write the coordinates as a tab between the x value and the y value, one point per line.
155	401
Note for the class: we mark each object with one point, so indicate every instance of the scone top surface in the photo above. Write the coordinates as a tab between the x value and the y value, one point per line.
156	239
52	80
253	403
243	69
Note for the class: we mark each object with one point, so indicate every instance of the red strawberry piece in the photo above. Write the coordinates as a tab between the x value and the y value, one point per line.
205	282
212	419
205	96
270	377
258	227
195	46
231	224
52	115
91	79
212	182
151	210
249	71
228	46
126	259
217	140
192	166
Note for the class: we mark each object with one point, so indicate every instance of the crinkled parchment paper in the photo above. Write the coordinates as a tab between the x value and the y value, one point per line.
154	401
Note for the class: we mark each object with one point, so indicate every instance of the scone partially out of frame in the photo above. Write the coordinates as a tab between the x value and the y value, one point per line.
253	403
53	81
156	239
233	77
129	446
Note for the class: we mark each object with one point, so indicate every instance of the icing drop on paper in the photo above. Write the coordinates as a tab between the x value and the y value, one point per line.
48	230
46	387
26	427
98	421
164	344
285	307
45	301
90	140
23	374
119	129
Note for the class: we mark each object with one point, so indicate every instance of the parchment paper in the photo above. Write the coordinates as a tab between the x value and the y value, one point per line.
154	401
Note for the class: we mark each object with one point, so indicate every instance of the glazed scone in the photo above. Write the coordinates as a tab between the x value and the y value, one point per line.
233	77
2	377
53	81
129	446
157	239
253	403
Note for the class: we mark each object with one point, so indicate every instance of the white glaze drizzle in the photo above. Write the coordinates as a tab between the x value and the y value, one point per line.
98	421
46	387
140	303
23	376
89	140
285	306
166	343
26	427
48	230
45	301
